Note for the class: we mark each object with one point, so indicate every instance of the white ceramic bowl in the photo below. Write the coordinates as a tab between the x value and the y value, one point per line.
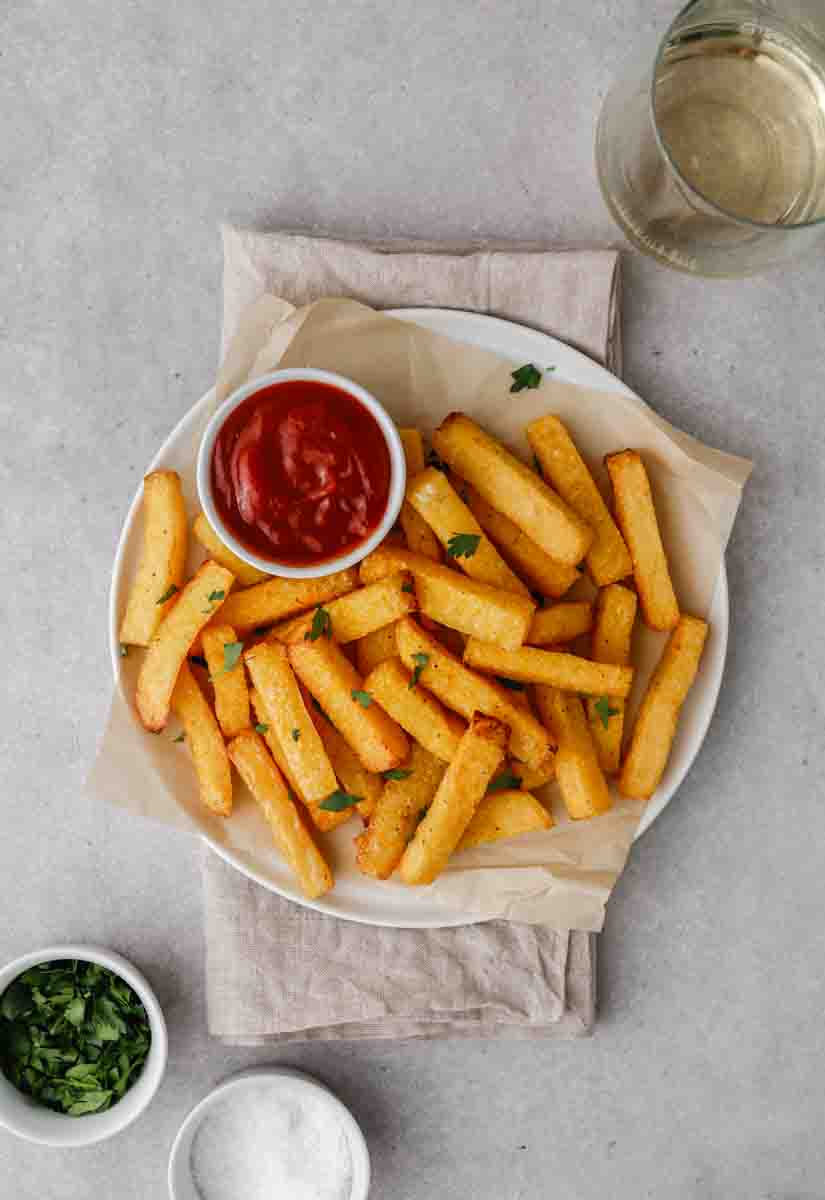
398	472
181	1184
20	1114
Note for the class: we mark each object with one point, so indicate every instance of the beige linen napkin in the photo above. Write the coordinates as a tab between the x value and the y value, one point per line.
279	972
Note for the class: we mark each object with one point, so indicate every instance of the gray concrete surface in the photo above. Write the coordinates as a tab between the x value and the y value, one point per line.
130	128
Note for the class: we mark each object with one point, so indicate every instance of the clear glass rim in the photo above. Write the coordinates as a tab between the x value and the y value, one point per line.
761	226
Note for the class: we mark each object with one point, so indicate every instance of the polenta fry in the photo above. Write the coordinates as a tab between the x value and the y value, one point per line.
560	623
352	776
433	497
162	558
505	814
612	632
655	727
518	492
289	833
416	711
199	601
556	669
375	648
205	743
465	692
460	792
220	646
543	573
401	806
417	532
452	599
636	516
357	614
565	469
579	776
292	725
245	574
278	598
334	682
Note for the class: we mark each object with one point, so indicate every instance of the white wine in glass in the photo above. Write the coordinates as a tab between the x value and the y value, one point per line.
714	161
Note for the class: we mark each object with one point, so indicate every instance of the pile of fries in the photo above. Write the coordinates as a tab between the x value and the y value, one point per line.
434	689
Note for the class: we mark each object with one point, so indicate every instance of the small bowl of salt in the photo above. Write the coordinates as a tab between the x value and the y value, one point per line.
268	1134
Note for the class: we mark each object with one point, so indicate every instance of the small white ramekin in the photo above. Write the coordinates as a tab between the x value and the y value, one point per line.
398	472
181	1183
22	1115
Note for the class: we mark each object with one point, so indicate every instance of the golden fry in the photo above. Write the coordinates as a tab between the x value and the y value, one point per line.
334	682
357	614
466	692
501	479
580	779
290	722
636	516
199	601
561	623
401	806
655	727
205	743
505	814
231	692
459	794
289	833
278	598
612	632
417	532
543	573
323	819
162	558
375	648
433	497
416	711
245	574
352	776
565	469
554	668
454	600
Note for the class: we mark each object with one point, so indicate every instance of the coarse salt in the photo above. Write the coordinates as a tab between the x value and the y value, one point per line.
273	1141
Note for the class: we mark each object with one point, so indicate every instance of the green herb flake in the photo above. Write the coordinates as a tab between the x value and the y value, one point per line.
73	1036
504	781
168	594
397	773
321	625
604	710
463	545
420	661
124	651
296	734
338	801
407	586
363	698
180	738
215	596
513	685
232	651
261	728
528	376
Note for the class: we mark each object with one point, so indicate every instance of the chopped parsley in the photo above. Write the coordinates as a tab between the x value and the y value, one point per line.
463	545
338	801
168	594
363	698
604	710
528	376
420	661
500	783
397	773
321	625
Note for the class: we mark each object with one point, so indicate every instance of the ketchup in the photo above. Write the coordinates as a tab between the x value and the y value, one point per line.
300	472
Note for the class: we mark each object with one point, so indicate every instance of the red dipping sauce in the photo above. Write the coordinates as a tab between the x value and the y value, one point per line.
300	472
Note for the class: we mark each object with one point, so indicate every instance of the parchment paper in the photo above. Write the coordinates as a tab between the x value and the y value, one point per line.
562	877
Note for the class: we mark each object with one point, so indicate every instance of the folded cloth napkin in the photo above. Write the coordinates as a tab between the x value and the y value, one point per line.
279	972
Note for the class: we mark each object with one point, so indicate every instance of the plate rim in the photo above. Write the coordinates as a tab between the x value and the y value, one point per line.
602	376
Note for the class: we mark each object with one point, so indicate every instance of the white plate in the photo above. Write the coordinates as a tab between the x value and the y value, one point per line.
354	896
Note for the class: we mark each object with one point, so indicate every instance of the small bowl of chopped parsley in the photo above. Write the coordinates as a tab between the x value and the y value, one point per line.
82	1045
